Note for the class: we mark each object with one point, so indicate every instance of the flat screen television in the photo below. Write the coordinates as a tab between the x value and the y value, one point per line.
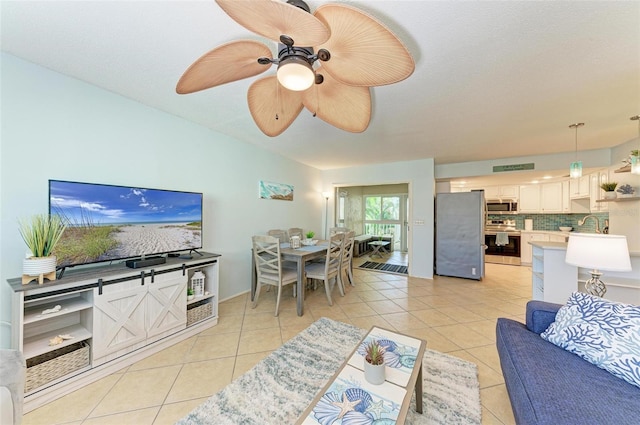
108	223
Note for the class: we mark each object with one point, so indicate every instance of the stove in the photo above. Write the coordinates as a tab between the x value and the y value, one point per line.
502	253
493	226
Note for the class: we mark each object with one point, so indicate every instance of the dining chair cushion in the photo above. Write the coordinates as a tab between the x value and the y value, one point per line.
316	270
288	275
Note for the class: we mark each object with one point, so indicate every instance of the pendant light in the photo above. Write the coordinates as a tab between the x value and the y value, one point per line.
635	159
575	170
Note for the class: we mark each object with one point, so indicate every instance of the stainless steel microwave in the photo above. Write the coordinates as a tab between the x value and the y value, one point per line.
502	206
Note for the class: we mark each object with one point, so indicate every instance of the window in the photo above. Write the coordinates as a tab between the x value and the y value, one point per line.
340	215
382	215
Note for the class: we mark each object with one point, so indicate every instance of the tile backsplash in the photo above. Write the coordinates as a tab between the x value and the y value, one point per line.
552	222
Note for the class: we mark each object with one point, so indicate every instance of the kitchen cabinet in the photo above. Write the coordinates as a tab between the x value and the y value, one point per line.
579	188
525	246
500	192
537	236
529	199
551	197
543	198
566	197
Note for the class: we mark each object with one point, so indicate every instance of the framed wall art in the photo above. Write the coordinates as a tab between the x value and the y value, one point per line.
278	191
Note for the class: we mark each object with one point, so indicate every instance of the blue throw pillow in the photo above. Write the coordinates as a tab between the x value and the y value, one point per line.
602	332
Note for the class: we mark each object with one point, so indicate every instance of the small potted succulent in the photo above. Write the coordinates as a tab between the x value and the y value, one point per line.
40	233
374	363
190	294
626	191
609	189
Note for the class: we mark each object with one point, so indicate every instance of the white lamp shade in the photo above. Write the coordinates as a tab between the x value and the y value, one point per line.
598	252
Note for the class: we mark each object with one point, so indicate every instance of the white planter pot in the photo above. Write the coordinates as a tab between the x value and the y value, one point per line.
374	374
609	195
35	266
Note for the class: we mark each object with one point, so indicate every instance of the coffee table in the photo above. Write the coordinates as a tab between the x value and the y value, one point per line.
348	396
377	246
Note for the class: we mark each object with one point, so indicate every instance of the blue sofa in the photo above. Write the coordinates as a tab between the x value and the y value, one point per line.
548	385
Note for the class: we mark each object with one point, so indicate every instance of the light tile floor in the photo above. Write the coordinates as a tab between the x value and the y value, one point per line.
455	316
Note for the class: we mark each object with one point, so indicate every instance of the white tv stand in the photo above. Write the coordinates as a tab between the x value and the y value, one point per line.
116	316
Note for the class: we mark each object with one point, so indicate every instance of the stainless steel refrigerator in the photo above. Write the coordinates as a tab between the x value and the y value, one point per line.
459	229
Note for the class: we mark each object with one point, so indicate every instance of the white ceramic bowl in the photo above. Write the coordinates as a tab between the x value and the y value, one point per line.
565	228
309	242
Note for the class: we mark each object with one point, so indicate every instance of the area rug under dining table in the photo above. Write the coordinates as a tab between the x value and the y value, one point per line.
279	388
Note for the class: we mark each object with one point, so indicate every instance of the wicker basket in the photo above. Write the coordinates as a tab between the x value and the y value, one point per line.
200	311
50	366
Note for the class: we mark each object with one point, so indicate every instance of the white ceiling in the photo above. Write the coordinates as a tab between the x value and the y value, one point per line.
492	79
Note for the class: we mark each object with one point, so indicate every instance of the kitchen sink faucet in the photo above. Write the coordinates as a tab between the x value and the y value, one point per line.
581	222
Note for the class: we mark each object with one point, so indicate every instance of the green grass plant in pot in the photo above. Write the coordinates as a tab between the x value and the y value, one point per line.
41	233
309	240
609	189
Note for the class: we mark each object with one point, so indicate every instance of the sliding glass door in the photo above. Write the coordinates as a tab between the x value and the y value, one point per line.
386	215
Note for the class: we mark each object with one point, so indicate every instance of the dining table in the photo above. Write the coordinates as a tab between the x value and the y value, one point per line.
300	256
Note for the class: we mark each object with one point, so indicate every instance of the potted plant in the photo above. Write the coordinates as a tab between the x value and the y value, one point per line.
374	363
41	233
626	191
609	189
190	294
309	240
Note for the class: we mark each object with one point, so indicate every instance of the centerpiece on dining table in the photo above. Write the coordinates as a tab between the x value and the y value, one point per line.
309	240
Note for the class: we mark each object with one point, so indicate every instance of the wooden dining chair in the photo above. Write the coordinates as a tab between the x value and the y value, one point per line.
269	270
296	231
346	261
334	230
330	268
280	234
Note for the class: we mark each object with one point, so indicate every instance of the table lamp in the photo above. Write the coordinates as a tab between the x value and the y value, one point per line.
598	252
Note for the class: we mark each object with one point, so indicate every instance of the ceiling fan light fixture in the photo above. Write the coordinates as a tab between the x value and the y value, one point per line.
295	74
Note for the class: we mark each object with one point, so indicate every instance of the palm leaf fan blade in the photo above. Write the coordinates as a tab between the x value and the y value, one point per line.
273	107
364	52
273	18
345	107
226	63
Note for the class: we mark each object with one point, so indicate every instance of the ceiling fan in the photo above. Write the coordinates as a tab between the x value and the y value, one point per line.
327	61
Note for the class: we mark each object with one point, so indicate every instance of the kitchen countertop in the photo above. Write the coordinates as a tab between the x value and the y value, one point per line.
555	232
563	246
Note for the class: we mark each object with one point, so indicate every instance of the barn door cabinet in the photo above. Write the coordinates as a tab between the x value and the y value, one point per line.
96	320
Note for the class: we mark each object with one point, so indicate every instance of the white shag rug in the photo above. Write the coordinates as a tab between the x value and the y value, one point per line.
280	387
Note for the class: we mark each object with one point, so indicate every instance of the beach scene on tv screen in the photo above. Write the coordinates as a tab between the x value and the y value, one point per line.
114	222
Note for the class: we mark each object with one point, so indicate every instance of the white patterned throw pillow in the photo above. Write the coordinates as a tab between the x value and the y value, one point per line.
602	332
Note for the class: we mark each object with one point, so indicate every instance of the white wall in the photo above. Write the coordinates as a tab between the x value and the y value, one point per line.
56	127
420	177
